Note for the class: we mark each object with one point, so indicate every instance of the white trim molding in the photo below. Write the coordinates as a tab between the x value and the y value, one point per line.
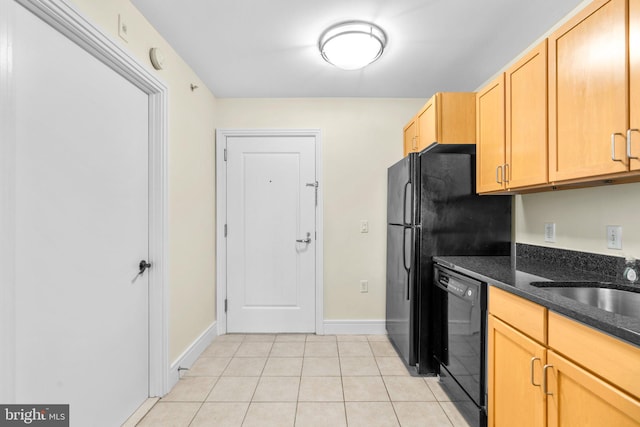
221	218
63	17
7	205
191	354
355	327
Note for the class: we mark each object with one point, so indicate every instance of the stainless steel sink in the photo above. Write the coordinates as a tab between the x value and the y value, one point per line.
597	294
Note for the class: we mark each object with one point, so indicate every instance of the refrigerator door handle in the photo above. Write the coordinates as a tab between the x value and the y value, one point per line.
404	205
404	248
404	259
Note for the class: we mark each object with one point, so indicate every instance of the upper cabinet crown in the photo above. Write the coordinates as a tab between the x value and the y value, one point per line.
446	118
594	89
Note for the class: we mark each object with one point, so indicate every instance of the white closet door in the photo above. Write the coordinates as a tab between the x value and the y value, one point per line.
82	228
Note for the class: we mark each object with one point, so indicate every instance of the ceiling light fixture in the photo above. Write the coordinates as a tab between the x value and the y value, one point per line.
352	45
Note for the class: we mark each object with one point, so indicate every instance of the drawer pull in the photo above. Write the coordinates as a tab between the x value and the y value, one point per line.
613	146
545	389
533	361
629	143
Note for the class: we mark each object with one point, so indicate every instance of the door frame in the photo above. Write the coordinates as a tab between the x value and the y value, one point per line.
221	217
63	17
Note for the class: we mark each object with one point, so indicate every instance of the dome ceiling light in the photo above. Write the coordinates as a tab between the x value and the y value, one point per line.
352	45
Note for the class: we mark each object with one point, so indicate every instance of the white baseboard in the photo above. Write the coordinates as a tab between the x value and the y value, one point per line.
191	354
354	327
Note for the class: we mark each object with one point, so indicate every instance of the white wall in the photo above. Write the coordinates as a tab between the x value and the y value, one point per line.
191	173
361	139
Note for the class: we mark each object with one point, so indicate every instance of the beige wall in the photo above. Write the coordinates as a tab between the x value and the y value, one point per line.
191	174
361	138
581	217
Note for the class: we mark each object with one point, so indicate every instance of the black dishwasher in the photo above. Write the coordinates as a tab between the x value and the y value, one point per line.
460	333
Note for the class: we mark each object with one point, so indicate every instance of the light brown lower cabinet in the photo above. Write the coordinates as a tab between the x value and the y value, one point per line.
514	377
578	398
540	382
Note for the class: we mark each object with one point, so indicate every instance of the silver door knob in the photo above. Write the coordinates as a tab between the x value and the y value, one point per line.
307	240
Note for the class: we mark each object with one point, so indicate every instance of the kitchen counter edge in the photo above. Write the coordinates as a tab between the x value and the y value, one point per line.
501	272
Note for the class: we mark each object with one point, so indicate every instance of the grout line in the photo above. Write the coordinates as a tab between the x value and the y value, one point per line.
344	399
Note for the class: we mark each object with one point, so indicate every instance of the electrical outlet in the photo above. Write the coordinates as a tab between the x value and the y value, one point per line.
123	28
364	286
364	226
550	232
614	237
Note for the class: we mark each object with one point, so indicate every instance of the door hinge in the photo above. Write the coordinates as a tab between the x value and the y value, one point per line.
225	305
225	154
225	230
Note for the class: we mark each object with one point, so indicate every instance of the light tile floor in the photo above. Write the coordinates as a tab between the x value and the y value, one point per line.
303	380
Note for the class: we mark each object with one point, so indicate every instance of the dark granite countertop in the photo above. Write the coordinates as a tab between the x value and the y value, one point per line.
514	274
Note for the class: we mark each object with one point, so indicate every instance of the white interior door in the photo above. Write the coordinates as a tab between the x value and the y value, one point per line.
81	229
271	208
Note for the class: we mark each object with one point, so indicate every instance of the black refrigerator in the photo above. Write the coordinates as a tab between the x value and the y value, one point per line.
433	210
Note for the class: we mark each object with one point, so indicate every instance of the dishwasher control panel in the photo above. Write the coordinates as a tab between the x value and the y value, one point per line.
462	287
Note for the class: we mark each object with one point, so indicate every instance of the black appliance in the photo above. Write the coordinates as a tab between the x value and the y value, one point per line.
433	209
461	310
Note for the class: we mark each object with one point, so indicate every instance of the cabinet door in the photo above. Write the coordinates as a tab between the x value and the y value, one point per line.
410	137
514	377
456	117
490	149
526	119
634	85
579	398
427	124
588	93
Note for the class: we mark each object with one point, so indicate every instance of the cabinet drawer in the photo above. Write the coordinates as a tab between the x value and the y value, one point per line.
610	358
528	317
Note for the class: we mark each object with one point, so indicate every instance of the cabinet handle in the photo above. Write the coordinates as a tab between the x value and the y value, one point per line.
533	360
499	172
545	389
629	143
415	144
505	173
613	146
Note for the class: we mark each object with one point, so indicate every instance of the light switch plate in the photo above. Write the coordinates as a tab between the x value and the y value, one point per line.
550	232
364	286
123	28
614	237
364	226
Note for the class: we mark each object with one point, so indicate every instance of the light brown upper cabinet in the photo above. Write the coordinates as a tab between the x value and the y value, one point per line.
526	120
633	134
589	92
446	118
410	133
512	134
490	131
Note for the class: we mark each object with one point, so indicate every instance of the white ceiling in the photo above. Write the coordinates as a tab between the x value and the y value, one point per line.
268	48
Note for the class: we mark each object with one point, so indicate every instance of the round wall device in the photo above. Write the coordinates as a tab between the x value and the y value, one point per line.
157	58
